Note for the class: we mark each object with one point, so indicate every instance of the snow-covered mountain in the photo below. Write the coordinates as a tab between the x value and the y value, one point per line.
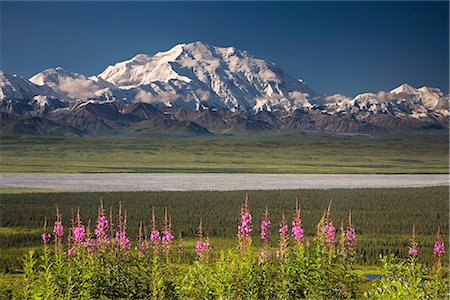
219	88
16	87
196	74
72	85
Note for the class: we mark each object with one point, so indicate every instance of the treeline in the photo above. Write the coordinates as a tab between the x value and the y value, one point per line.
383	217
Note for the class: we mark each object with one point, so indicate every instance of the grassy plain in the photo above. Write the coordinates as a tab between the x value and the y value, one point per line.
426	152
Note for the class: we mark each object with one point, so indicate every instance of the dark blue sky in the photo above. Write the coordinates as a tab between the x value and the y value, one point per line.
336	47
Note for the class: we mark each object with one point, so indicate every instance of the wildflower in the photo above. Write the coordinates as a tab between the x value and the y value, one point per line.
330	232
326	228
350	237
141	246
265	256
90	244
297	230
123	240
167	238
284	229
121	235
413	246
413	252
101	228
79	233
245	227
350	234
45	236
58	229
155	237
439	248
265	228
202	247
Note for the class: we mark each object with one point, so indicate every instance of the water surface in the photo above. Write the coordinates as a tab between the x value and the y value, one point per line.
213	181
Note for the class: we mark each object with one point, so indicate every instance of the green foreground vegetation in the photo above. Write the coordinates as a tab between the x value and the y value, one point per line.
413	152
383	217
286	266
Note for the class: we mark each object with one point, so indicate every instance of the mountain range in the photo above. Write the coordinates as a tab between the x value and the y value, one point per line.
201	89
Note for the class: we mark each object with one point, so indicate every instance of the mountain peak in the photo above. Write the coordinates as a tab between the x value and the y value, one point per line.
141	57
404	88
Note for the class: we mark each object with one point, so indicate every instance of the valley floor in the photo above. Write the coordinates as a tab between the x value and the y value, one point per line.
412	153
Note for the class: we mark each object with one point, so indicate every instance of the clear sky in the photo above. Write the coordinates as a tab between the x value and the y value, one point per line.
336	47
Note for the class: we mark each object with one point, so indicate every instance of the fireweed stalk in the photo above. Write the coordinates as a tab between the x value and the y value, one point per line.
167	238
265	236
439	248
283	238
203	246
297	230
141	245
265	228
325	229
413	251
101	228
79	232
45	236
121	238
58	229
245	227
155	237
350	233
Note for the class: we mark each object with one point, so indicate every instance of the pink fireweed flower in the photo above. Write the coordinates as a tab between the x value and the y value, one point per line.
350	236
245	227
45	238
155	236
167	237
297	230
283	238
330	232
123	241
265	228
121	237
413	252
58	230
79	233
101	228
439	248
200	247
325	229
